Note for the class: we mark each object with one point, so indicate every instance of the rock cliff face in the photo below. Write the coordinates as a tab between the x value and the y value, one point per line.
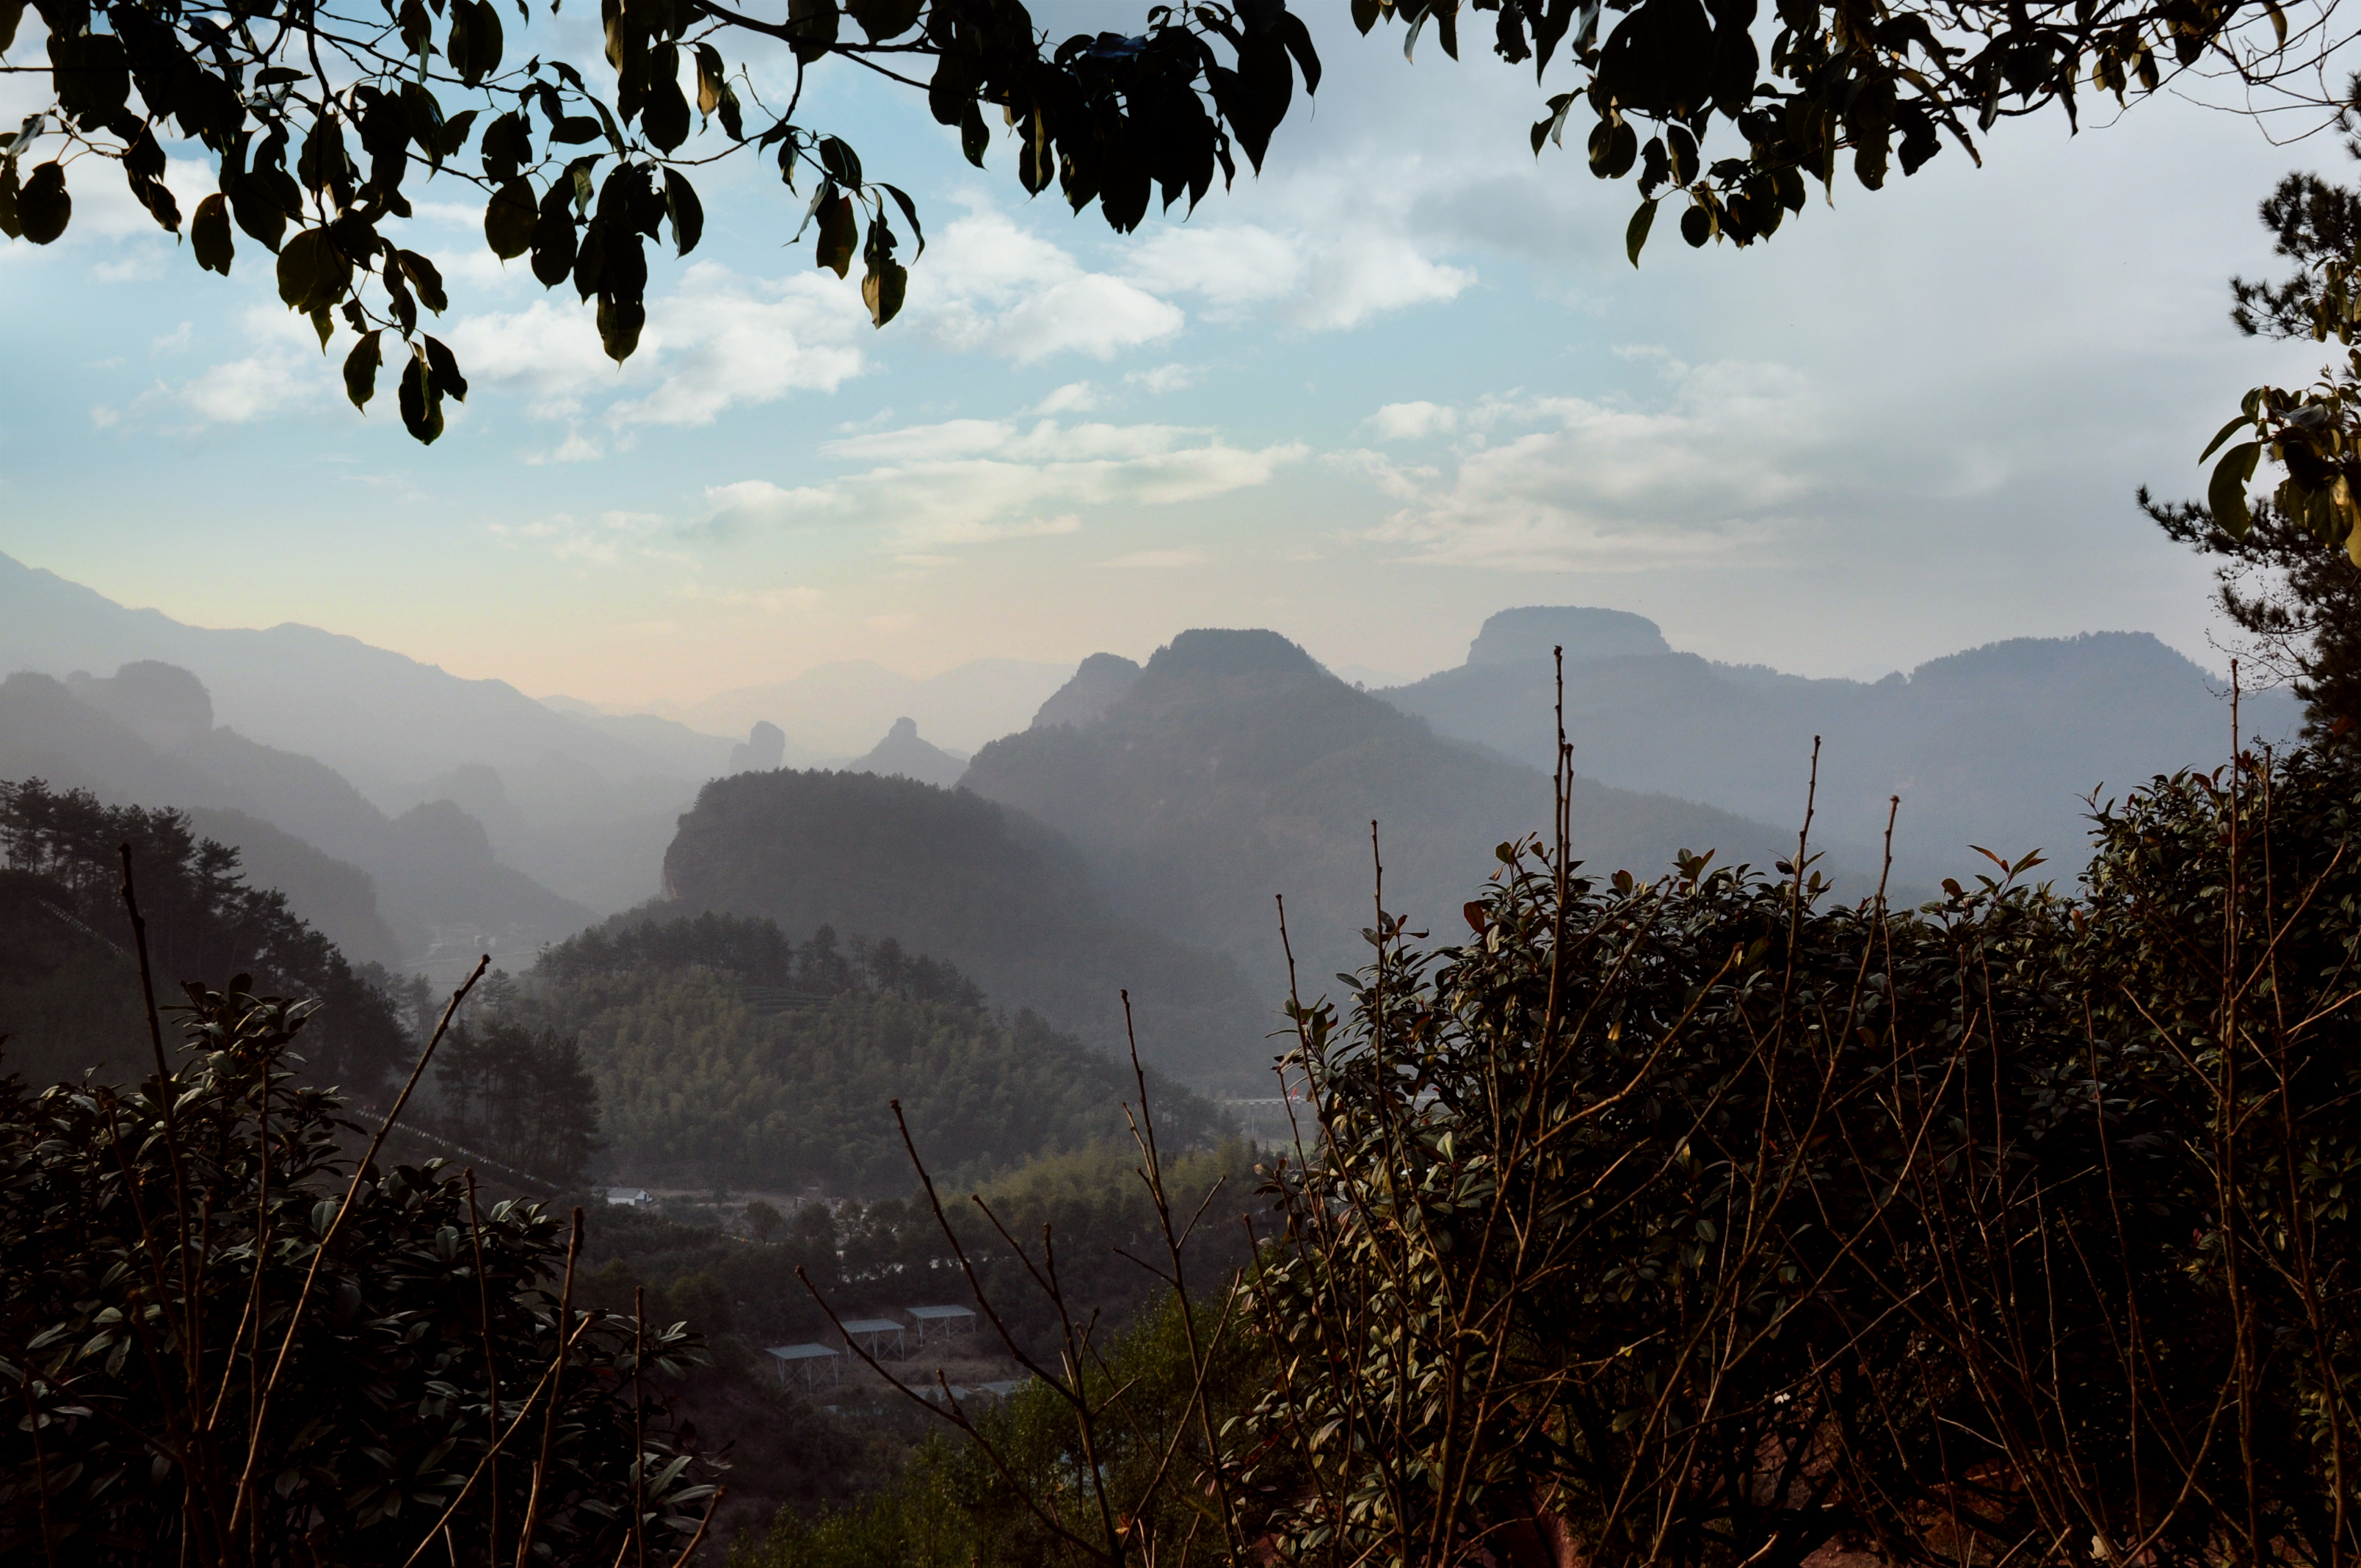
1233	768
1098	685
990	890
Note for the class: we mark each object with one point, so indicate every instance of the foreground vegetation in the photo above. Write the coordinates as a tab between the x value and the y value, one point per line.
1701	1221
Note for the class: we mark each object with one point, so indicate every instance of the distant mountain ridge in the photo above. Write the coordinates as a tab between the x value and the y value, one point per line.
384	888
1994	745
1231	768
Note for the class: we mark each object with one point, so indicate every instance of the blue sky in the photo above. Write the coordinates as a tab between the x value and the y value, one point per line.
1404	380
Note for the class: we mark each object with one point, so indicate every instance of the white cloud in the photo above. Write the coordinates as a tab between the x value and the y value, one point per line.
716	341
1411	422
1074	396
989	285
976	481
284	369
101	416
770	601
607	539
1229	266
1165	378
723	340
1610	485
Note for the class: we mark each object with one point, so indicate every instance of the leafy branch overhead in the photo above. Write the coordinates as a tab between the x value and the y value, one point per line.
1870	84
324	121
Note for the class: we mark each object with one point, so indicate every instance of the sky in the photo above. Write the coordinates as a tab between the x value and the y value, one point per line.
1403	379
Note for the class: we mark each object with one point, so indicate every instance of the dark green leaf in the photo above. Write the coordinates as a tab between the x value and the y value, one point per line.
422	400
1636	234
511	218
620	322
10	223
883	288
360	370
443	368
687	213
43	208
974	138
2243	421
884	19
209	234
2227	492
312	275
910	211
426	278
838	234
11	13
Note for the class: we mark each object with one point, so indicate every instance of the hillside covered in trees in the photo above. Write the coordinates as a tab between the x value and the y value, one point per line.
724	1053
69	979
993	890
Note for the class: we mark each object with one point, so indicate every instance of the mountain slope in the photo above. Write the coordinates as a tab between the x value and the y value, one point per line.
1233	768
381	718
1994	746
435	877
987	889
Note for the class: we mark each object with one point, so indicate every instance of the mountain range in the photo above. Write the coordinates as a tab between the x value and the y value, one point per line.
1999	746
1120	823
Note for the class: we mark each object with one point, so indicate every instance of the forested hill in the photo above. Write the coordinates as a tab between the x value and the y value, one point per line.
725	1053
68	981
1232	767
985	888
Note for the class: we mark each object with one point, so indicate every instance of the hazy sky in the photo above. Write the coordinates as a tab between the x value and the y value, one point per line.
1403	380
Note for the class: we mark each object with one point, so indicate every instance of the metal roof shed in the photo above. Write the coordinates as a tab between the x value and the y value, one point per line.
944	1320
873	1332
807	1359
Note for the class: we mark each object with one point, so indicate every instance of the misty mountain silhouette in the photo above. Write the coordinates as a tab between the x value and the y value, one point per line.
990	890
902	755
831	710
1995	746
1098	684
1233	768
380	887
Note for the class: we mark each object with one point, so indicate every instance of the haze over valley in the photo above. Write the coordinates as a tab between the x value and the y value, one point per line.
1063	834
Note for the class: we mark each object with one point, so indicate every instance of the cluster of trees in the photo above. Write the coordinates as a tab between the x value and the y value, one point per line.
64	852
759	953
725	1055
521	1094
227	1342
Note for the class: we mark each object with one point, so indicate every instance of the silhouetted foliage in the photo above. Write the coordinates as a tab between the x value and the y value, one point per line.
227	1346
203	918
2299	605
